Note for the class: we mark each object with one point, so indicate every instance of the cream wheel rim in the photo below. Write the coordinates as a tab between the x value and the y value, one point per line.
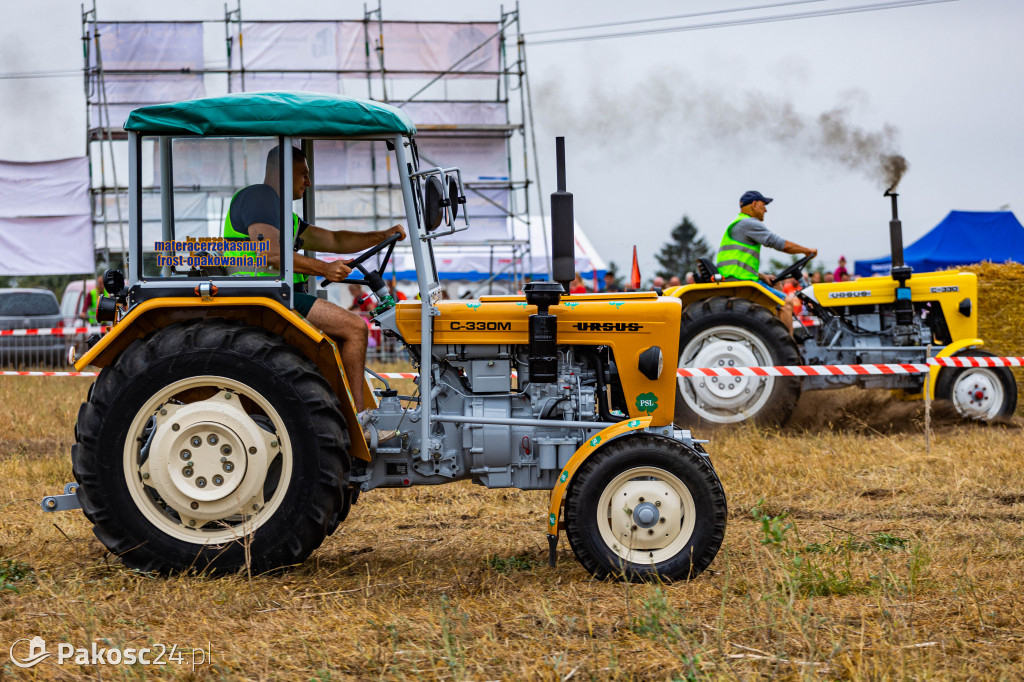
199	471
646	515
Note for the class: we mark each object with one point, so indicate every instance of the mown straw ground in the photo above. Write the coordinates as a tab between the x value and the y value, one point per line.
852	553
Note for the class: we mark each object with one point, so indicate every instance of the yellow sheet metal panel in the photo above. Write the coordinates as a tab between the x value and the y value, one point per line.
629	325
692	293
945	288
580	456
157	313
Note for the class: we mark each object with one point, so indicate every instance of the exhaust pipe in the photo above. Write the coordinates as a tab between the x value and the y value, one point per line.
563	248
901	272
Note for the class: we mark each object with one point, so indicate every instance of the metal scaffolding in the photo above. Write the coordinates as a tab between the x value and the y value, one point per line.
473	98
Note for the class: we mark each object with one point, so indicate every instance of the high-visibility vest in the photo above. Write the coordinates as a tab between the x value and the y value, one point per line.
737	259
232	234
94	301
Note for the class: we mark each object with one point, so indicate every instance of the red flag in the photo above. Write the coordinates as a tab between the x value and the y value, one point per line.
634	279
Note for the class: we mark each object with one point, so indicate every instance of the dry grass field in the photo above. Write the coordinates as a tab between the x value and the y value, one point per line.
851	553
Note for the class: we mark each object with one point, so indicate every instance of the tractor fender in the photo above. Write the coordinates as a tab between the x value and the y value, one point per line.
579	457
156	313
691	293
950	350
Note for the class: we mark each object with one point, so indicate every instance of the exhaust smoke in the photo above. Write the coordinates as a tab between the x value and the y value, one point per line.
672	103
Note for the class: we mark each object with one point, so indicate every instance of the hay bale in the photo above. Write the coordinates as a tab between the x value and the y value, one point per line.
1001	312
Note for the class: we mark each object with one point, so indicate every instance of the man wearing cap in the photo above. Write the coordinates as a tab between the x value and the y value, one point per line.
739	256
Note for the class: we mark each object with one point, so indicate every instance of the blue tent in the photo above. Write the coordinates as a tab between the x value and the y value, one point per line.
962	238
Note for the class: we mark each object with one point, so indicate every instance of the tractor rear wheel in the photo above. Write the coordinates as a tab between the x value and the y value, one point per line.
646	507
978	393
210	446
723	332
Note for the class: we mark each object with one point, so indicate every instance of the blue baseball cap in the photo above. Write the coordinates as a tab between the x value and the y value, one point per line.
752	196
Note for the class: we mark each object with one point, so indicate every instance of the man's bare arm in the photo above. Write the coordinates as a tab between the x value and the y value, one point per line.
333	272
345	241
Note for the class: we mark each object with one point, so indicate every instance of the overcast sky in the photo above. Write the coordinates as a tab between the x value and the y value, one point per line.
662	125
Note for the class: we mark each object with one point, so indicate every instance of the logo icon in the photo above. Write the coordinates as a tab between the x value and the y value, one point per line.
564	477
594	441
474	306
647	402
617	304
633	423
522	305
36	652
571	304
551	519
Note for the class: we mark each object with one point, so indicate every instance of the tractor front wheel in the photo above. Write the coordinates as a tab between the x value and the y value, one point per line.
646	507
211	446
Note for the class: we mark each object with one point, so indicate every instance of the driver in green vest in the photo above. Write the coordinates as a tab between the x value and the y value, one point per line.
739	256
254	214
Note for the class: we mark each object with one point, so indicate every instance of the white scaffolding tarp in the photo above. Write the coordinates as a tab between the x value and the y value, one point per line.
341	46
474	262
172	53
45	222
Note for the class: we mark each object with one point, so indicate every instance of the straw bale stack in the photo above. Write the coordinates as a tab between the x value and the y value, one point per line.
1001	312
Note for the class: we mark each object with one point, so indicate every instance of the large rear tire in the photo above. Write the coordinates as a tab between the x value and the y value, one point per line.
645	507
734	332
978	393
210	446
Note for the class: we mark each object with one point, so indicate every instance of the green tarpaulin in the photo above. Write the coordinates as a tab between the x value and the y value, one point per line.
298	114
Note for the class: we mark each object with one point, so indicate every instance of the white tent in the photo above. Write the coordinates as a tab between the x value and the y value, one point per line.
504	259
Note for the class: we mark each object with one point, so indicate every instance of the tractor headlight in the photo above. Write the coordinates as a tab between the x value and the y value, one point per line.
651	363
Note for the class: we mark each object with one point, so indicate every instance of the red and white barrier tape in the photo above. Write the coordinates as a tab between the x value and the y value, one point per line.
780	371
54	331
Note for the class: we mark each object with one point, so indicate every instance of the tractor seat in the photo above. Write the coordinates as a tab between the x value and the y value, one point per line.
707	271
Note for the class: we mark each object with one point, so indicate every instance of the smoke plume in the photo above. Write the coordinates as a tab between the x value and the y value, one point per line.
671	103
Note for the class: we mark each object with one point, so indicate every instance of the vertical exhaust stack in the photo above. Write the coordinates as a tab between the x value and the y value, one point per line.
901	272
563	249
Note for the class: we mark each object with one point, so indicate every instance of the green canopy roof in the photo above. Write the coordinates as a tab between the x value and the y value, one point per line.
298	114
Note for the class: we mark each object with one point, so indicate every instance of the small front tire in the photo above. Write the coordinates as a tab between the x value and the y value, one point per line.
646	507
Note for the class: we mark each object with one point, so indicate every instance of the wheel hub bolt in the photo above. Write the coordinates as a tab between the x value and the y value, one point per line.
212	440
200	482
229	467
218	479
650	531
187	472
273	443
225	449
192	522
175	427
196	441
194	505
186	455
252	449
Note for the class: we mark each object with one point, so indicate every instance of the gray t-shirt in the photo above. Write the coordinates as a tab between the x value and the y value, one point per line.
753	231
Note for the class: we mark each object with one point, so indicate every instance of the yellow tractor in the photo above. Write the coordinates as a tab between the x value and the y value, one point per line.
221	431
903	318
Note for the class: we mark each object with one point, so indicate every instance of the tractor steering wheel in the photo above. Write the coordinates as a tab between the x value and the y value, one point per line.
793	269
357	262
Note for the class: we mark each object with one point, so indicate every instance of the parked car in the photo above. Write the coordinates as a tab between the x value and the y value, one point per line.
30	309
